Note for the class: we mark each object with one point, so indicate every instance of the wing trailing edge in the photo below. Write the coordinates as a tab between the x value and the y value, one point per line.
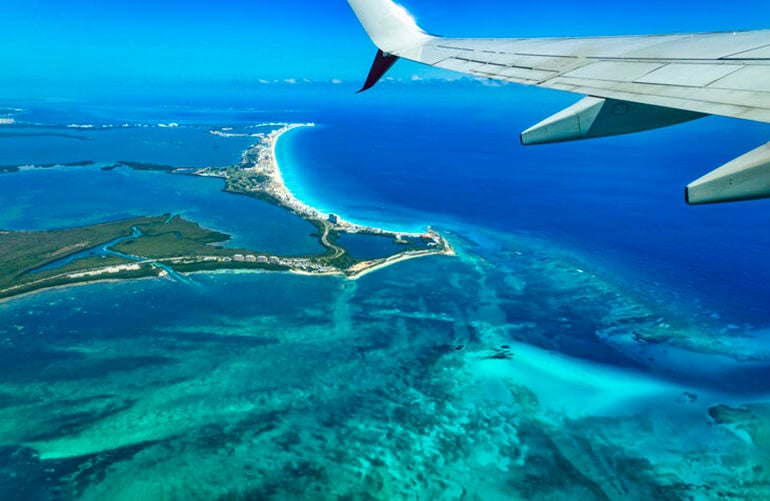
633	83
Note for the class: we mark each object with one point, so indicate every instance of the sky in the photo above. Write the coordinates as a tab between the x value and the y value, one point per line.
64	44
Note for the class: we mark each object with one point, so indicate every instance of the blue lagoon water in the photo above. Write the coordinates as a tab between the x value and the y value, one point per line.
594	338
363	246
88	194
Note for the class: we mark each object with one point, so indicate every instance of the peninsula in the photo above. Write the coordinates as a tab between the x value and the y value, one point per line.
171	246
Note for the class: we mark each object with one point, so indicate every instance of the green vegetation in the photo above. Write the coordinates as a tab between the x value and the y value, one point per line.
341	262
62	277
8	169
177	237
149	246
173	241
23	252
146	166
241	182
82	163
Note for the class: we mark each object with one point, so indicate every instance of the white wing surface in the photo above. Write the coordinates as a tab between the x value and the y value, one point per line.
633	83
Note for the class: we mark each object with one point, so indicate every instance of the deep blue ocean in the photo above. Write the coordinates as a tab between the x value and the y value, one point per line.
617	202
594	337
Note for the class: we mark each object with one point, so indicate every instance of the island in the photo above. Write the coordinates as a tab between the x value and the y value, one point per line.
170	246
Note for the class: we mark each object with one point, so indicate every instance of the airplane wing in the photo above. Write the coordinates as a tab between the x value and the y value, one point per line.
631	84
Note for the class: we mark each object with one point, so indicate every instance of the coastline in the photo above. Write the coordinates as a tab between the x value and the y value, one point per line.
296	181
259	175
95	281
172	245
302	208
307	210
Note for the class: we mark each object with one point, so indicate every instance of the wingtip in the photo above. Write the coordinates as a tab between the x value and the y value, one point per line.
382	63
389	25
366	87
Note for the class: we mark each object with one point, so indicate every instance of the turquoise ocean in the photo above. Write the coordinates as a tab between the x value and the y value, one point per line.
594	338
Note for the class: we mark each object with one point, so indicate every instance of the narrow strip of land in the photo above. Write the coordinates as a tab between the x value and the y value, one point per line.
166	245
259	175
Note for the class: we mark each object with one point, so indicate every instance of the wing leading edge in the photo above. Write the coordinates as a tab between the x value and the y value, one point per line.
633	83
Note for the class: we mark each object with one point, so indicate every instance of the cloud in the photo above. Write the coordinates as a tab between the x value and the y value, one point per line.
487	82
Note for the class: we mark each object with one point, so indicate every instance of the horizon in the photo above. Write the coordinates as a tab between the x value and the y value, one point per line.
190	309
50	50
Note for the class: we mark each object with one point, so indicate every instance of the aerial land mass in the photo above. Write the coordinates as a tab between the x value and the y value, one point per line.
24	254
7	169
168	245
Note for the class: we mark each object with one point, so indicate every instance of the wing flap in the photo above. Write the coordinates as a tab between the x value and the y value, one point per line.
688	75
525	75
610	70
713	73
751	78
727	102
744	99
758	53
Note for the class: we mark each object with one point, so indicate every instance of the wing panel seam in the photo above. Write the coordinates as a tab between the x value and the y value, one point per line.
747	50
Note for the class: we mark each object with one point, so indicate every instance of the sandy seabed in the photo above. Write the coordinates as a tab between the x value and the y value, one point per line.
506	373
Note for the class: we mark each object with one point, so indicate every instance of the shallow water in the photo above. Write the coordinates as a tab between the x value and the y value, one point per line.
364	246
525	367
76	196
432	377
